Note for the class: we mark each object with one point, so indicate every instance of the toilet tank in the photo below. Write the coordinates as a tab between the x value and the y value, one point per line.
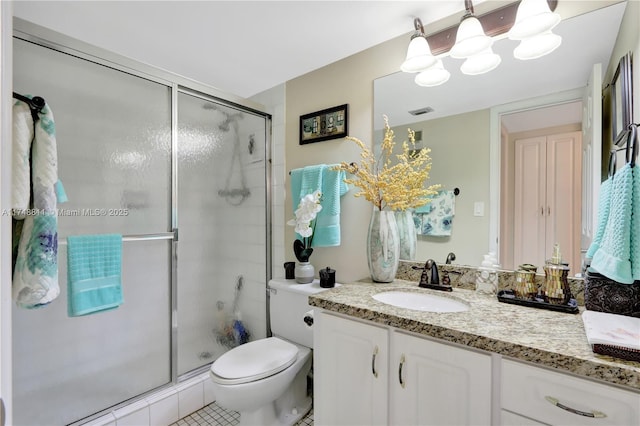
288	304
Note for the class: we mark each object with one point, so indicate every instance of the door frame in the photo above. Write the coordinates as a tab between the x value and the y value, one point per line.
495	147
6	87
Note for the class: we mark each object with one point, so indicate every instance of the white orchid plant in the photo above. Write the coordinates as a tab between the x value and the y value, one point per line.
305	224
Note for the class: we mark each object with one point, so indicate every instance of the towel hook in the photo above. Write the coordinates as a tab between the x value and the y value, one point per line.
632	144
35	104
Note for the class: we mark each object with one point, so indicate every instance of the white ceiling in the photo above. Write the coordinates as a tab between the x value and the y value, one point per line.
245	47
239	47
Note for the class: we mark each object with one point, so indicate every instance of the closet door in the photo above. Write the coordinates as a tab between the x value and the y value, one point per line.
564	196
529	201
548	195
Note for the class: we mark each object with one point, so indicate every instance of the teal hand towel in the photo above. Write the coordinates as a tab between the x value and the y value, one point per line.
94	265
327	231
635	225
613	258
604	206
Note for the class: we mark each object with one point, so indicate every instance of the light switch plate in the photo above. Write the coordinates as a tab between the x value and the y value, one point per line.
478	208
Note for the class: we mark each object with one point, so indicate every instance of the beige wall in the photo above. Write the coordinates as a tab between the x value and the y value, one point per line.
628	41
460	159
348	81
351	81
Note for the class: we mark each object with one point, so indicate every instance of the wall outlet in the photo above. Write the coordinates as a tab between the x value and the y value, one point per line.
478	208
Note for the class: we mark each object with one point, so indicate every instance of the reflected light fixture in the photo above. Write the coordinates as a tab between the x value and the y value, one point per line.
529	21
433	76
470	38
419	56
481	63
537	46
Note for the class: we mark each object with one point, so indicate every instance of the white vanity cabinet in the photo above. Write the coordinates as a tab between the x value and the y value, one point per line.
438	384
531	394
350	372
365	374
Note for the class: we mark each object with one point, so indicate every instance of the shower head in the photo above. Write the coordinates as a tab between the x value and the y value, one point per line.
228	118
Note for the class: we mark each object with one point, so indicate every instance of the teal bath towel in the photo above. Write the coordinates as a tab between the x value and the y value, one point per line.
331	184
94	265
613	257
328	221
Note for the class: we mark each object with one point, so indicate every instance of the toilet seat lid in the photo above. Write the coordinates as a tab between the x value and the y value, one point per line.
254	361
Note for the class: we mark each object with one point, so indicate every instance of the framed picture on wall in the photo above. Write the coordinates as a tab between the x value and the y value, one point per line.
621	100
330	123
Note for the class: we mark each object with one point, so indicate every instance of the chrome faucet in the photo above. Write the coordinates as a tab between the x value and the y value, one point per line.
430	277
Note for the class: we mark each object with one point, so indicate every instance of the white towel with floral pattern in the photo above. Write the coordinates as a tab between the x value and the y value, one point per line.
35	274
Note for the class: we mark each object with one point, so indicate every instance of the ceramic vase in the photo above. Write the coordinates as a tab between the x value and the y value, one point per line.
407	234
304	272
383	246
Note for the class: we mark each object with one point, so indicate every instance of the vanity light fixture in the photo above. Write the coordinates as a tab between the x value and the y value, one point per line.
534	22
529	21
533	17
470	38
419	56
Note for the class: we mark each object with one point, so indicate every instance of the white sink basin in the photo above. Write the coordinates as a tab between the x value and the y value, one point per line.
421	301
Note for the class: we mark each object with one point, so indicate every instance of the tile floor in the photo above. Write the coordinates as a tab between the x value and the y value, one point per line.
214	415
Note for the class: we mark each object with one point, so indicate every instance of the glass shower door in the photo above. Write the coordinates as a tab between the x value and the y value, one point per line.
114	156
222	222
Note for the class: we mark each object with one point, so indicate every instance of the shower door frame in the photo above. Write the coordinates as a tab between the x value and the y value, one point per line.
44	37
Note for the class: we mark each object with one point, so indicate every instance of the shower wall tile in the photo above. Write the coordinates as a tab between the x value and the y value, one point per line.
106	420
278	150
209	395
135	414
274	100
164	408
190	396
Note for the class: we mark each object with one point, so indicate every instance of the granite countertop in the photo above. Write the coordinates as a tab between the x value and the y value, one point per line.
548	338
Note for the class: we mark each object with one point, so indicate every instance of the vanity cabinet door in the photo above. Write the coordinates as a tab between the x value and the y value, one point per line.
559	399
438	384
350	372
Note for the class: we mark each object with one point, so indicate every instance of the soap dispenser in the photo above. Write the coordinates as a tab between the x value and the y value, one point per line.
487	276
556	287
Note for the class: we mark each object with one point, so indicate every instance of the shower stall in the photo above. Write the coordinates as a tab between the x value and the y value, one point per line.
182	173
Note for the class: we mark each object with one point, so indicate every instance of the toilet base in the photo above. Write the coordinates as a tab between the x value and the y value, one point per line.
288	408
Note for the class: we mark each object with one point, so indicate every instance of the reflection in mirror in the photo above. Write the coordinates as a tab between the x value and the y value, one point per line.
461	128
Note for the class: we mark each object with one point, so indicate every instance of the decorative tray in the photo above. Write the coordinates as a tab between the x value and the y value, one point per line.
508	296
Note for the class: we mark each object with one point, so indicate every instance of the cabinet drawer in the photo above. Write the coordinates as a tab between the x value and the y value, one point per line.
557	398
510	419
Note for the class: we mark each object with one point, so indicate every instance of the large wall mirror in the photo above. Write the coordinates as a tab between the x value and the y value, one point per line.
472	131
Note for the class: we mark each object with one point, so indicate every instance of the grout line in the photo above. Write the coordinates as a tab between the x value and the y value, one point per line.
214	415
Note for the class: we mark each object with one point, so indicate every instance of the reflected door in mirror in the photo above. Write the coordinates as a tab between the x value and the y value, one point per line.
548	192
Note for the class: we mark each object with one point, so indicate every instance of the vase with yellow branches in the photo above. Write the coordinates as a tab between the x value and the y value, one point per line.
392	182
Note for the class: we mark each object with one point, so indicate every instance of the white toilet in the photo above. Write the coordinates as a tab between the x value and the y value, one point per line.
266	380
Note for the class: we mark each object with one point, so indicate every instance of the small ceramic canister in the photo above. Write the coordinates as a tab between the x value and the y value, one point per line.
327	277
